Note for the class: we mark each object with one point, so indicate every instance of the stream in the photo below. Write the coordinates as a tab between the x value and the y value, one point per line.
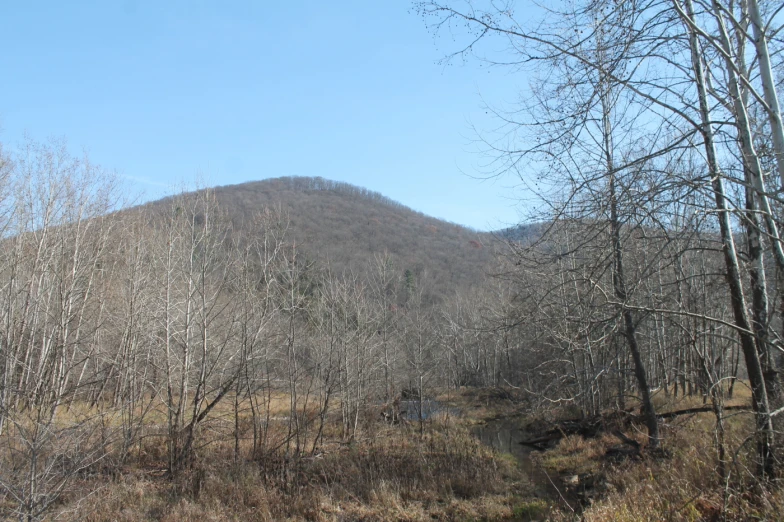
505	435
409	409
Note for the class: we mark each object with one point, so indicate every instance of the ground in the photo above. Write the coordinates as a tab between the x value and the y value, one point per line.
394	472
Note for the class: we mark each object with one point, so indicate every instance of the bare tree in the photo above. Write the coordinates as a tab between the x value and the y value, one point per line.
628	41
53	301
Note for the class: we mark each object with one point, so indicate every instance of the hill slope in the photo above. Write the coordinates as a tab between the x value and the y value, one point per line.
346	226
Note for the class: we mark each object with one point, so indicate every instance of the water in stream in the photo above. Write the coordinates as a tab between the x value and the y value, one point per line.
409	409
505	436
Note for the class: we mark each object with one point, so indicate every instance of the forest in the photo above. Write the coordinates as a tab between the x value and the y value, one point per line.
303	349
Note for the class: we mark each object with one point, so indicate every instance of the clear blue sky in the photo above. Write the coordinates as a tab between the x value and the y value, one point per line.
165	91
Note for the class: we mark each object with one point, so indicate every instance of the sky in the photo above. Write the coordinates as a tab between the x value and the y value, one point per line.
167	93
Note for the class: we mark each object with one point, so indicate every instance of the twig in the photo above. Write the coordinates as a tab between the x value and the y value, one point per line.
558	490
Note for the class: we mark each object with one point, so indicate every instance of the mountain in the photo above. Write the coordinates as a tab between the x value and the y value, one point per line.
525	233
345	226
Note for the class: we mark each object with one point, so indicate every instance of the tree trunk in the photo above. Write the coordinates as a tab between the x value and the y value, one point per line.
734	281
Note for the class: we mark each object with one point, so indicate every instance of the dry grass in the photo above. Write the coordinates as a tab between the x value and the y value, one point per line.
576	455
480	405
395	475
682	485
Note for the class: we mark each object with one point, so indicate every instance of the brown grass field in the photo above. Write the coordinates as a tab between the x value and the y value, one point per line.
392	472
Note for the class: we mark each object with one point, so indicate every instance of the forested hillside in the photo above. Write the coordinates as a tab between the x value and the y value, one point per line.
343	226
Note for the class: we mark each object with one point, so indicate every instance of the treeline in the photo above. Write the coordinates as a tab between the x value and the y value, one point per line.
318	183
308	183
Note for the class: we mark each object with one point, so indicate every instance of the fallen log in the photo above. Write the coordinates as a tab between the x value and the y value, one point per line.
626	440
589	427
701	409
541	442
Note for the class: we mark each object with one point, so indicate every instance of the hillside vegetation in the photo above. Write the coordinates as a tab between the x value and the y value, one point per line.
343	226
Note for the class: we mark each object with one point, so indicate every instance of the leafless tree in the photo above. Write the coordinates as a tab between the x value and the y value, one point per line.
674	66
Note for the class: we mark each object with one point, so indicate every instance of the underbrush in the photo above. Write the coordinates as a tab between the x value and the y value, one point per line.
395	475
686	485
394	472
682	482
480	405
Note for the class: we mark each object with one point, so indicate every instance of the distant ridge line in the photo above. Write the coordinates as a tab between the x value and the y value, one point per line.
318	183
